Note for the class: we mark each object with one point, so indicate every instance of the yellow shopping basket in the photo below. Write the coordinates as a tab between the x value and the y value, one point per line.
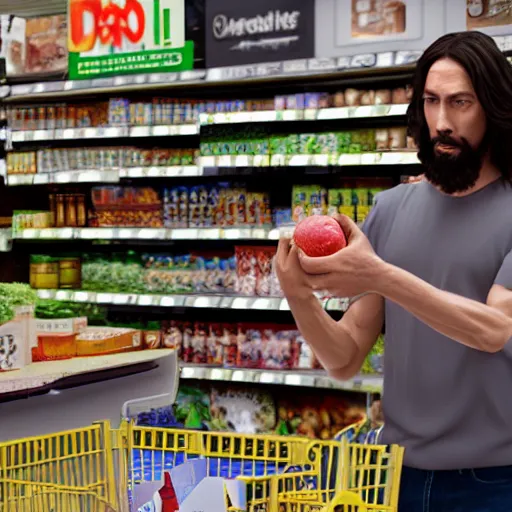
282	474
92	469
66	472
367	480
255	459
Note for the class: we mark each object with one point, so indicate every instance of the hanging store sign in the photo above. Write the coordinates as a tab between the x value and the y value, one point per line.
116	37
239	33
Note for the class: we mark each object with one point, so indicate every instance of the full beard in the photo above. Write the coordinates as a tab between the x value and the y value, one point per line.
453	171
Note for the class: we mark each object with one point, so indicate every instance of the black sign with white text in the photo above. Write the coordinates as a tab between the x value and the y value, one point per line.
258	31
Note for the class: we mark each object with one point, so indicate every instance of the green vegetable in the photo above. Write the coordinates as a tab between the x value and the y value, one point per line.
13	295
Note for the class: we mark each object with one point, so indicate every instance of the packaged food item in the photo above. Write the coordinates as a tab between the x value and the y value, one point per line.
54	347
44	272
197	206
300	202
339	99
382	139
188	333
278	348
264	259
317	204
107	340
367	98
70	272
230	345
214	345
250	346
152	336
352	97
399	96
118	112
172	335
383	97
246	270
176	207
397	137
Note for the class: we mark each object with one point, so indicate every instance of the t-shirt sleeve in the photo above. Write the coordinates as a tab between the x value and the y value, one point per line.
504	277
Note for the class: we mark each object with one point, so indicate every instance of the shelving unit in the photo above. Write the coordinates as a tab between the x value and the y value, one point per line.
273	172
228	302
307	379
44	376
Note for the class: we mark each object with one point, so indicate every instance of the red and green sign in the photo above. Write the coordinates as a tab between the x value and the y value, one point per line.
117	37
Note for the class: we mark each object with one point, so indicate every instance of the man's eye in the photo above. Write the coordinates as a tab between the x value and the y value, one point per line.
461	103
429	100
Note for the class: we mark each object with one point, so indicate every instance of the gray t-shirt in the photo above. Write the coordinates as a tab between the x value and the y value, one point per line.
450	406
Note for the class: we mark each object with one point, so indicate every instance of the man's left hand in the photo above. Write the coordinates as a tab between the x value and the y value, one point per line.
349	272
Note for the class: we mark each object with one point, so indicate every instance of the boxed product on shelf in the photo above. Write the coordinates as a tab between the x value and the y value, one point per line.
107	340
217	205
127	206
152	336
54	346
308	200
22	163
50	272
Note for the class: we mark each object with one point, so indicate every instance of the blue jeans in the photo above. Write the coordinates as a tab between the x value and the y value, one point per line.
467	490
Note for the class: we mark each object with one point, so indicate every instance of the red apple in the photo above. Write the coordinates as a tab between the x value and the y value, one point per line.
319	235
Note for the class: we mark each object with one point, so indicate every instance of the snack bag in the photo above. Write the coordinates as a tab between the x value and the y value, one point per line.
246	270
230	345
199	343
214	345
188	332
264	259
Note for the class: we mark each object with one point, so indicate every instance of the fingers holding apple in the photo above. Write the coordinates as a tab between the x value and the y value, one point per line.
335	254
292	278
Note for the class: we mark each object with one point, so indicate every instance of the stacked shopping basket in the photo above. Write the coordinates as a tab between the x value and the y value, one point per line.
92	470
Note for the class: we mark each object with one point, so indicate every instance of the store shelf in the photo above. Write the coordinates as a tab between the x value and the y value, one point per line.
104	175
303	378
356	159
113	132
39	376
187	300
320	114
243	233
356	65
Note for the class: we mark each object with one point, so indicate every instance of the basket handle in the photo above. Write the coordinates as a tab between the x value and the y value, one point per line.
347	498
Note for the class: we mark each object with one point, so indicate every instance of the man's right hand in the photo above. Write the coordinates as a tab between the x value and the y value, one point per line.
294	281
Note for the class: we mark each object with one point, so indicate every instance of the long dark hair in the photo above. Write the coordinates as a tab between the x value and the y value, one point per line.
491	75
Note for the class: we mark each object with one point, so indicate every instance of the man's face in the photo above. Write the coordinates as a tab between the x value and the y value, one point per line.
457	128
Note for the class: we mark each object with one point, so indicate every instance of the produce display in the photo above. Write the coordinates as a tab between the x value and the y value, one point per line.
319	235
13	296
83	159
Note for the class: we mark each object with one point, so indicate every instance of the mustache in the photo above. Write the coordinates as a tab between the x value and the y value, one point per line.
448	141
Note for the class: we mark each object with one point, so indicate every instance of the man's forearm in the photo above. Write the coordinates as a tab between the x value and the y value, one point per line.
332	345
467	321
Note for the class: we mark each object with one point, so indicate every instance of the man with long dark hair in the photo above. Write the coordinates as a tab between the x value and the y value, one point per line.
434	261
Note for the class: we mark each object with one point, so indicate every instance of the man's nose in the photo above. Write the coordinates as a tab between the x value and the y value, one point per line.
444	125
